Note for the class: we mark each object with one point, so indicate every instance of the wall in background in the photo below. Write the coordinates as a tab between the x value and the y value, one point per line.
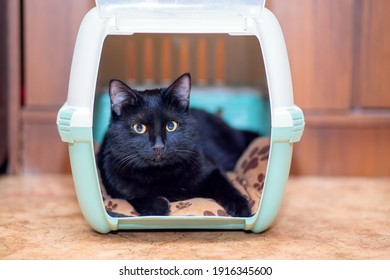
157	59
49	32
340	61
339	56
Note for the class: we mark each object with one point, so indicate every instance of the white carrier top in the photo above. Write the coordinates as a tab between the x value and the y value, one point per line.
163	8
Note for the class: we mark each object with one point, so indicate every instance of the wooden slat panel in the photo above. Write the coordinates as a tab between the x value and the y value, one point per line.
319	37
234	59
352	119
243	61
166	59
372	83
148	60
201	59
118	61
343	151
184	55
50	29
219	60
132	60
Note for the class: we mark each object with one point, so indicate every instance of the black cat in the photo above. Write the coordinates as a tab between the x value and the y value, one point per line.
157	150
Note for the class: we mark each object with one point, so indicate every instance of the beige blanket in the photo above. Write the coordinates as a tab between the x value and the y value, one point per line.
248	177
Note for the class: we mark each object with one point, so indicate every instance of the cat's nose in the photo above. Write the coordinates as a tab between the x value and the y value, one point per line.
158	145
159	148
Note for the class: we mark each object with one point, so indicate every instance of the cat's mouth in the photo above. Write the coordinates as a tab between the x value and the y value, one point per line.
159	159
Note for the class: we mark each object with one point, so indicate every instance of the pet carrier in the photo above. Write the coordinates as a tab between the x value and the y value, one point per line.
75	119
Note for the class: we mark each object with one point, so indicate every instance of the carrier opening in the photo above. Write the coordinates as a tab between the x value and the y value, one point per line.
228	81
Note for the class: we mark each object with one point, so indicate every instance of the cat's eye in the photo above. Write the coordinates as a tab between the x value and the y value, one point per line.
139	128
171	126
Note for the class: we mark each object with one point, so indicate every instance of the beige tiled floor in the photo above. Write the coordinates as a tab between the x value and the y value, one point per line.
331	218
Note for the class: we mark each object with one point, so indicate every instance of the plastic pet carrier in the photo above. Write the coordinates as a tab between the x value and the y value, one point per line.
261	172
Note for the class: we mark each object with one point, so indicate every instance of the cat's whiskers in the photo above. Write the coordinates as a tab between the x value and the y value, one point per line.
123	163
188	158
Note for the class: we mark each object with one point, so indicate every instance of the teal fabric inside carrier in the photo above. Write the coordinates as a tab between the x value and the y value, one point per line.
241	108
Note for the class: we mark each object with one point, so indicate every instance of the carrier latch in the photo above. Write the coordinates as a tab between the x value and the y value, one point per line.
73	124
298	124
63	124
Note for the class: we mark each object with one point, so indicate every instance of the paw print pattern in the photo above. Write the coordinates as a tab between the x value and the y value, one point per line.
260	178
111	206
134	213
260	182
252	164
251	203
255	156
253	152
223	213
220	212
208	213
264	153
183	205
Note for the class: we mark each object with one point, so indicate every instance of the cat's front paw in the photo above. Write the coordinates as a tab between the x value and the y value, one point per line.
239	208
152	206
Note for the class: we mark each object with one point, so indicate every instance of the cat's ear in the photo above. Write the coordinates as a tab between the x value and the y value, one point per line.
180	89
121	94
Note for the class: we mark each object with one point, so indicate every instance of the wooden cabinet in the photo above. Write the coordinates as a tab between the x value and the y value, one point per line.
50	30
372	65
340	61
319	38
49	33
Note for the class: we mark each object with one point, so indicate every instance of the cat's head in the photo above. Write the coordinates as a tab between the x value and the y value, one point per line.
152	127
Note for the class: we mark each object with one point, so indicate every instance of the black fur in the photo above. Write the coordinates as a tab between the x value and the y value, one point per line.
153	168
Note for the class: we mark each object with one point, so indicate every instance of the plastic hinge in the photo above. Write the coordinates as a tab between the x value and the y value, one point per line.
63	125
298	124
